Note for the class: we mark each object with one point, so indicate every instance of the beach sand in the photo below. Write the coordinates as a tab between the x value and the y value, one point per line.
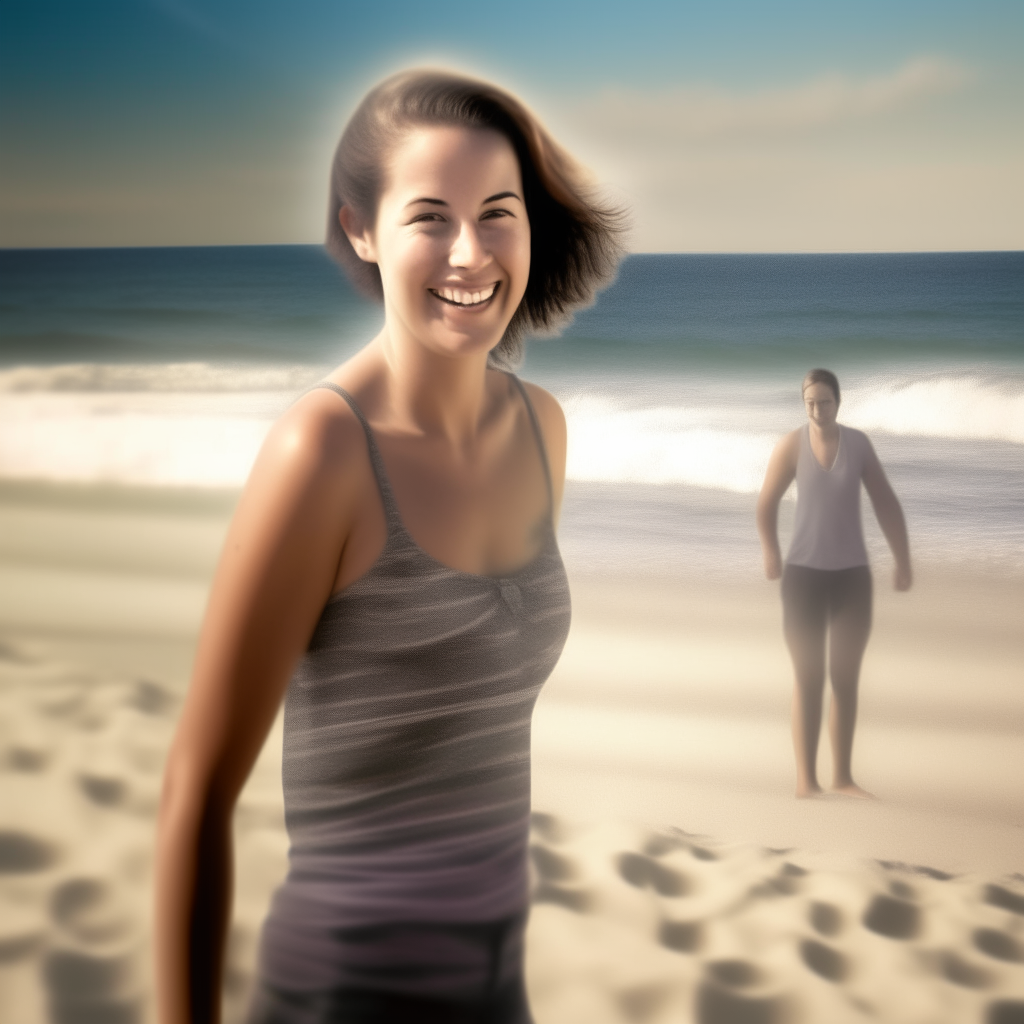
676	878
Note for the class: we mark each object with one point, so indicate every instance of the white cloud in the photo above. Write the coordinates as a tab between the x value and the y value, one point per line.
785	202
706	113
908	160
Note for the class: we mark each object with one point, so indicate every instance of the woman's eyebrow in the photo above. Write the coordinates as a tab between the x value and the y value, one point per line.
441	202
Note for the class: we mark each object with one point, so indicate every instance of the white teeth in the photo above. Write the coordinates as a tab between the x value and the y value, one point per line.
458	296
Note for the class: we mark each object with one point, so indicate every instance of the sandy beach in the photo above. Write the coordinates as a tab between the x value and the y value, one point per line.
676	878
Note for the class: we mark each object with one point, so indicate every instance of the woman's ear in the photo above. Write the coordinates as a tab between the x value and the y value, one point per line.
359	233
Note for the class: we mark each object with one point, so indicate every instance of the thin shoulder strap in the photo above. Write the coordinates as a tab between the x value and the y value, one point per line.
535	423
394	520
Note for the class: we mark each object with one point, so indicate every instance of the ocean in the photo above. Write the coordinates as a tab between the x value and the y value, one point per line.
163	368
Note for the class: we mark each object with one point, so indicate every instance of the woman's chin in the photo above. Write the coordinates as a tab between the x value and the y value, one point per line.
463	344
456	337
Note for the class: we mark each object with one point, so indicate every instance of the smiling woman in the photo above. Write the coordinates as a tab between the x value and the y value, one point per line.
392	572
574	243
451	237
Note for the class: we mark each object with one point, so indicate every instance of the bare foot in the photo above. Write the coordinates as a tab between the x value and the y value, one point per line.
852	789
804	792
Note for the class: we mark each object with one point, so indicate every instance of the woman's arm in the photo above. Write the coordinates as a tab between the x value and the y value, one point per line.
277	569
780	474
890	517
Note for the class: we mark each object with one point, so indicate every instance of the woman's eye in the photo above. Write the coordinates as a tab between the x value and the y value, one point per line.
492	214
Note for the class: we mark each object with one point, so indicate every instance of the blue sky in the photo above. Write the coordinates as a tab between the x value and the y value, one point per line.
724	126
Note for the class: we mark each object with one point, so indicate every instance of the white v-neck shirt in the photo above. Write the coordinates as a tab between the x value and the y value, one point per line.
827	532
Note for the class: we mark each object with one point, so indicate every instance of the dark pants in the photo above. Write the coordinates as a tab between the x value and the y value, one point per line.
820	601
352	1006
420	973
820	605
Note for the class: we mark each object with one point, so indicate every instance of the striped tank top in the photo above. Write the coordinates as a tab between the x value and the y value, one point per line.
406	763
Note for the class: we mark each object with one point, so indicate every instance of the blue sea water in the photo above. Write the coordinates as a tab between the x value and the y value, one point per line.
291	303
164	367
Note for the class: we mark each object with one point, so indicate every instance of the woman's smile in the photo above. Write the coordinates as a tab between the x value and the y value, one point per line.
465	297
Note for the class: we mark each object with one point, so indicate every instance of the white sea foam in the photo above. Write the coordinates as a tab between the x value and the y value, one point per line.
728	446
178	377
965	406
662	445
170	439
193	424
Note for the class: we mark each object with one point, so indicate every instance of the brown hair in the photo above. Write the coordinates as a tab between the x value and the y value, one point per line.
820	376
575	240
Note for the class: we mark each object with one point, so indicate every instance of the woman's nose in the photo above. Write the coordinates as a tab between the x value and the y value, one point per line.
468	250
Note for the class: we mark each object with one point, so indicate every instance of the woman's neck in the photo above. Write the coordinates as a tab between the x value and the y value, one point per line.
432	393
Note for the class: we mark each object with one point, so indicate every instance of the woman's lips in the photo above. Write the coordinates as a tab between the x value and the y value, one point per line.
466	298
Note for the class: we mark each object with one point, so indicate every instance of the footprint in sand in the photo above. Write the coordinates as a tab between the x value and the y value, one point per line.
1005	899
641	871
826	962
1005	1012
91	970
894	918
998	945
22	932
23	927
21	853
550	865
739	992
826	918
960	971
23	746
681	936
555	873
104	788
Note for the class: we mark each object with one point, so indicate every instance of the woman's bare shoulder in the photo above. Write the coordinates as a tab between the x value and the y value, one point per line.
552	422
781	466
320	433
314	456
549	412
789	444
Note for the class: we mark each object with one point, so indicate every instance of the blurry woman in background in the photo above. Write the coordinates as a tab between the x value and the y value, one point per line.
826	582
392	571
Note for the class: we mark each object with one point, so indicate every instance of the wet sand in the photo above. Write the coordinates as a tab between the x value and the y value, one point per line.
676	879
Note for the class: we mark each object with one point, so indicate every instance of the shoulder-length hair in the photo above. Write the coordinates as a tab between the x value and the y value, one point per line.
575	242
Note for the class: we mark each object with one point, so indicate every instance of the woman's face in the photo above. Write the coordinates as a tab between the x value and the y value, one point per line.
451	238
821	404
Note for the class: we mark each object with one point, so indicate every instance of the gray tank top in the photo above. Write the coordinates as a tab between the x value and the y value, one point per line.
827	531
406	762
